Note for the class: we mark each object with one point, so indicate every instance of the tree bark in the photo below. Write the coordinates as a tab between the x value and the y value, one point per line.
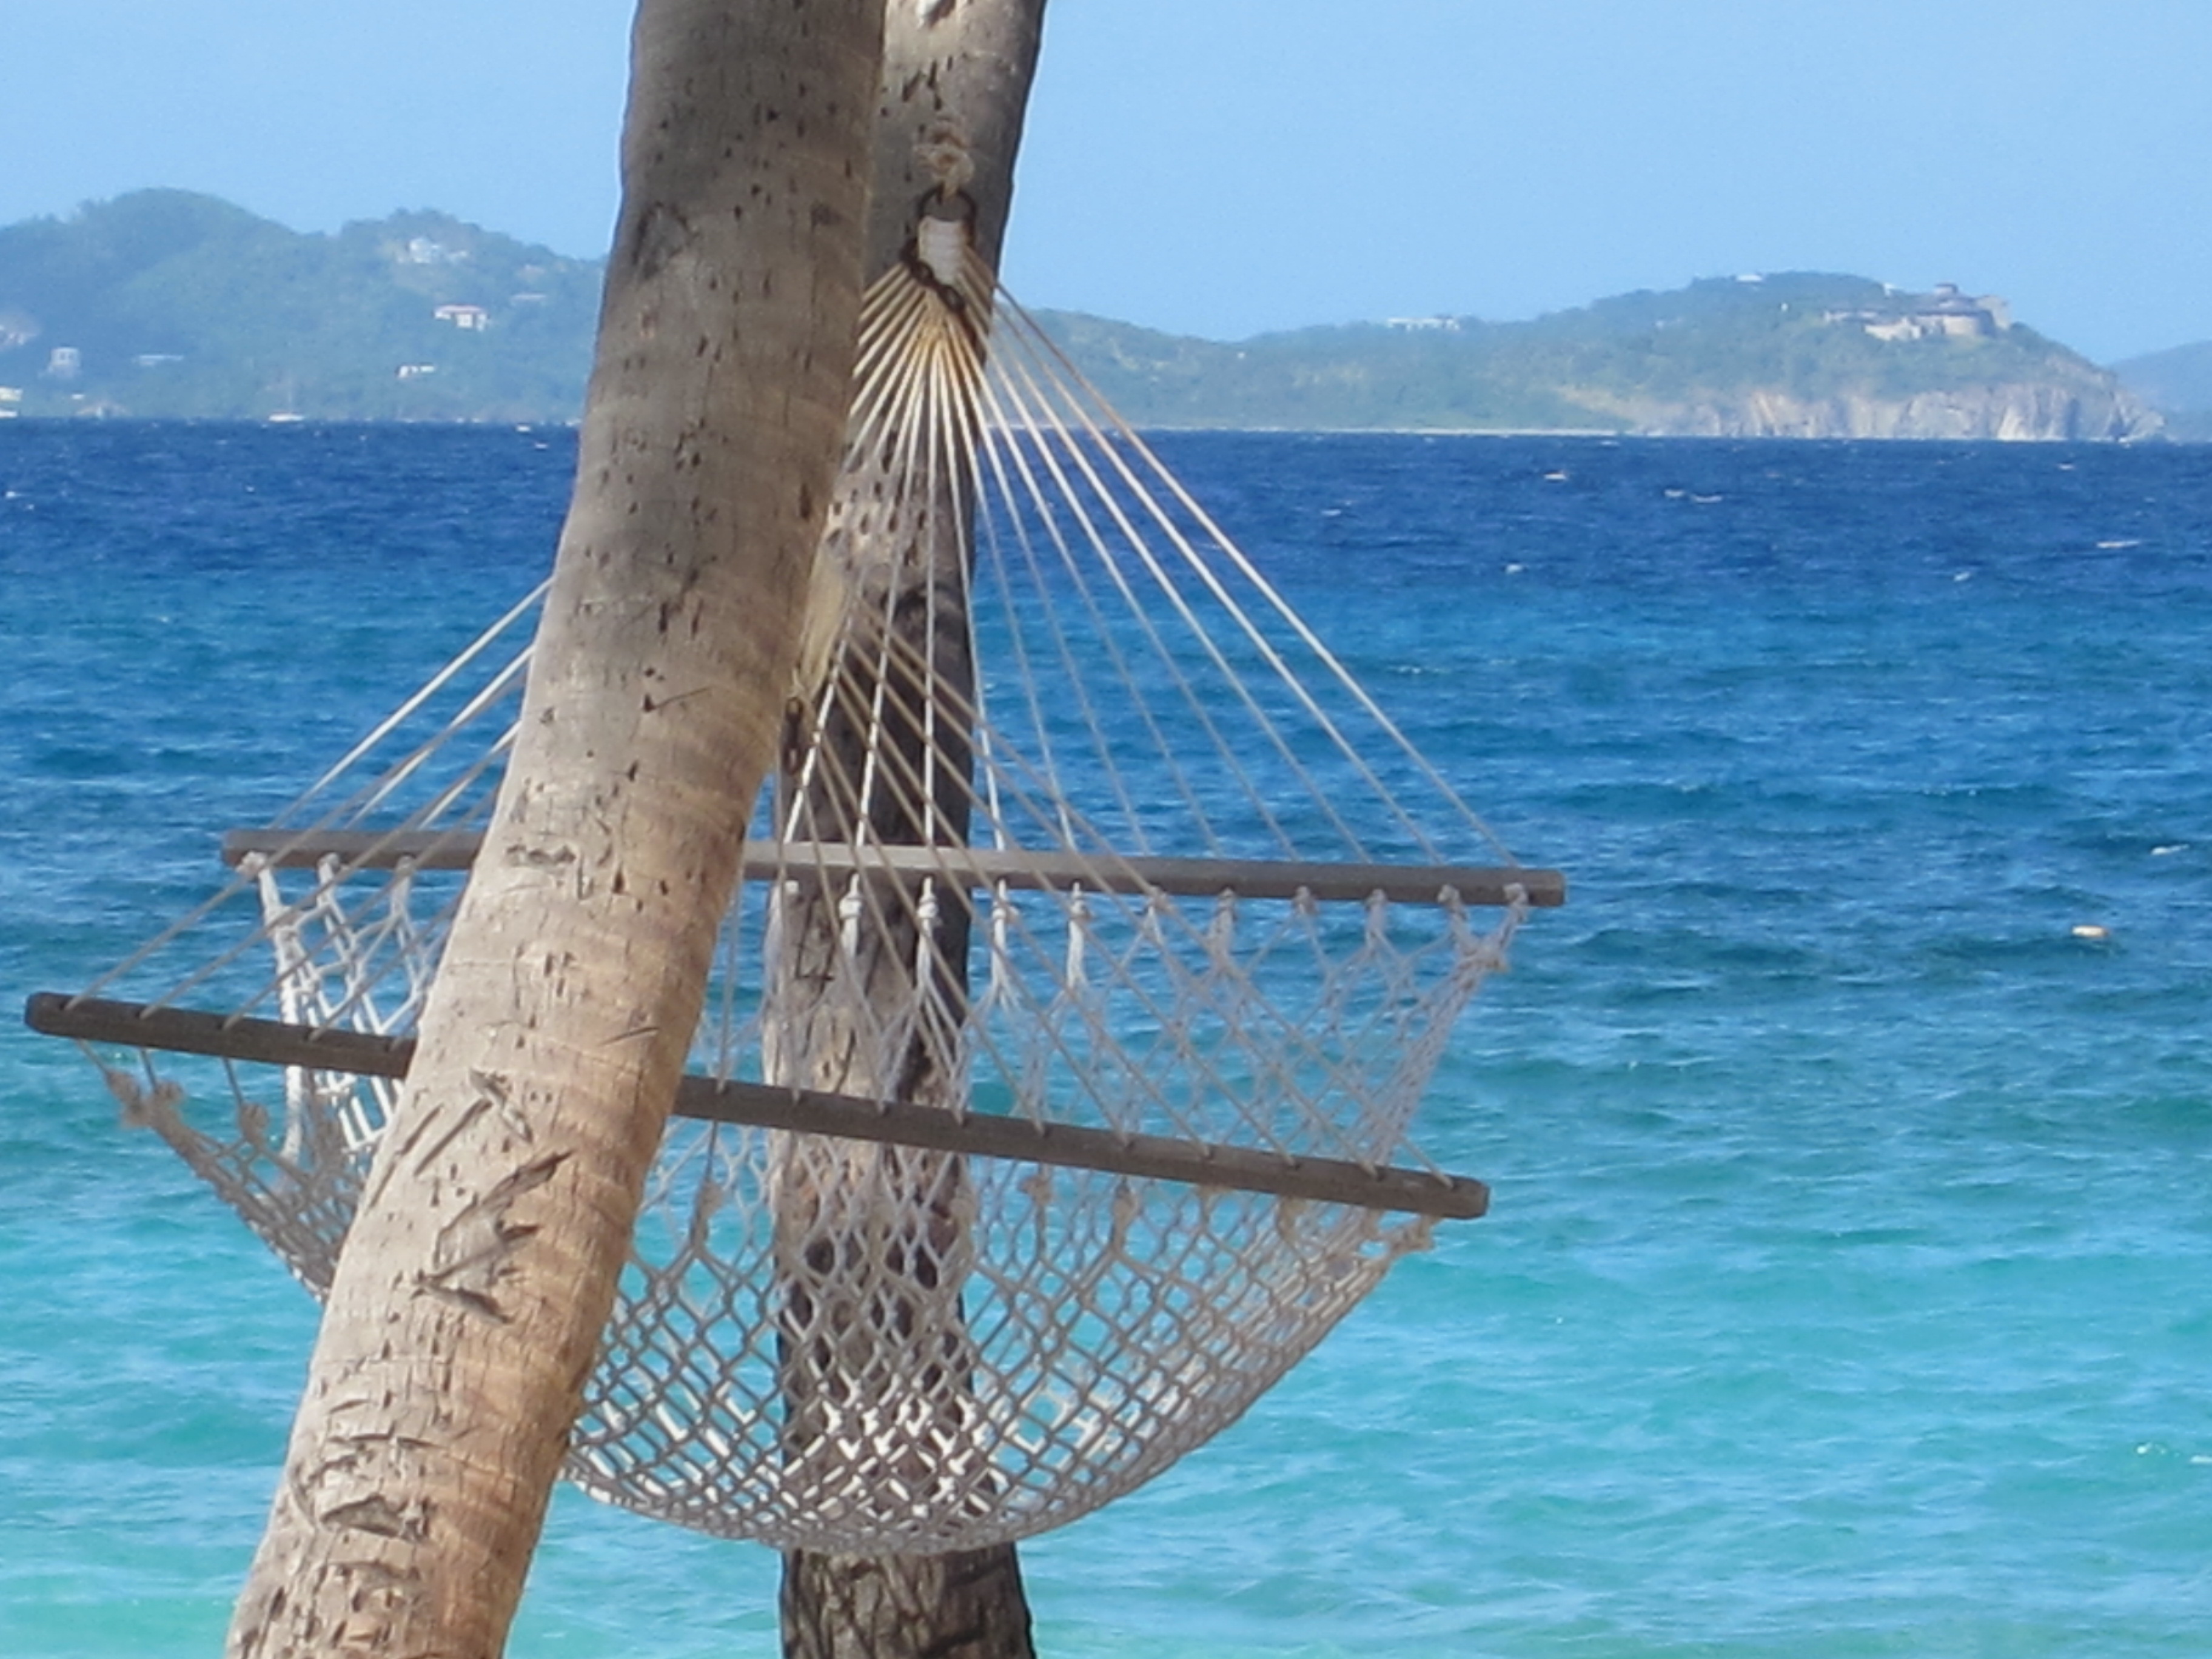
968	1605
955	87
473	1289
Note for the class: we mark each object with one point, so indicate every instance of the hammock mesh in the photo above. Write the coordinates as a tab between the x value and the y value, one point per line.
963	892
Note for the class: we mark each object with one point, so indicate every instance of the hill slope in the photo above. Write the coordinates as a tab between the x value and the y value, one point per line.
2178	383
162	303
1793	356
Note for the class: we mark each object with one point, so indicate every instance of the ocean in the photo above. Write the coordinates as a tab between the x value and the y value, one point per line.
1847	1290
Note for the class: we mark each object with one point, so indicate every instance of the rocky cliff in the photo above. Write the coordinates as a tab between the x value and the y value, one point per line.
2177	384
1792	355
2016	412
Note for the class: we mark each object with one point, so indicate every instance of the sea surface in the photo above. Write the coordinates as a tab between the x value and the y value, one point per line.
1848	1287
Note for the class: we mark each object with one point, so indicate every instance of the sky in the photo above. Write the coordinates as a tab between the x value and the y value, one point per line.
1226	168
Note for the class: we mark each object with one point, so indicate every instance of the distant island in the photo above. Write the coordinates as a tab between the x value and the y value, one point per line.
166	304
170	305
2178	383
1797	354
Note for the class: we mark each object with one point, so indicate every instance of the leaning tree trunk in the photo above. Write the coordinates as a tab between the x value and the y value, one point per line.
956	83
473	1289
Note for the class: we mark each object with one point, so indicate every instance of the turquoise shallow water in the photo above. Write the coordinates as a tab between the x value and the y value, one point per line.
1846	1289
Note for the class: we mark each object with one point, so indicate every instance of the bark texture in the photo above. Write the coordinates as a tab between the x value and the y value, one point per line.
470	1300
962	66
963	1606
955	88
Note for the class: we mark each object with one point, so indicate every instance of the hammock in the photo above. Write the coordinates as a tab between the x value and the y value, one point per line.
1098	938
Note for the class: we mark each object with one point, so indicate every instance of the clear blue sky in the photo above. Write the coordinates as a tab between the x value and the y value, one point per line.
1227	166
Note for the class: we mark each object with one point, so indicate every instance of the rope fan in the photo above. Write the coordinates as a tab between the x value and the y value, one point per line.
1099	936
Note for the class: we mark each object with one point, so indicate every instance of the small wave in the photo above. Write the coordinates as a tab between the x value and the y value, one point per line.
2169	850
2115	546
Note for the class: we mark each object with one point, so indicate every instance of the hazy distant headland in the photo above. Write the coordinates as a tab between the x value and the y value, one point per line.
2177	384
166	304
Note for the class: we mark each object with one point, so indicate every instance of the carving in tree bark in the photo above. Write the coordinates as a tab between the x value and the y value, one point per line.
472	1292
956	83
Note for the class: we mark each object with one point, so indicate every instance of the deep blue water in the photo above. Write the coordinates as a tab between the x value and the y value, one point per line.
1848	1289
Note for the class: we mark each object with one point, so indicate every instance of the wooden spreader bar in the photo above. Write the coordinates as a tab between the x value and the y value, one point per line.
1326	1181
979	866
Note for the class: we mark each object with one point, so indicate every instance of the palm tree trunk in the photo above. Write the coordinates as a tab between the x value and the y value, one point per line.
955	87
473	1289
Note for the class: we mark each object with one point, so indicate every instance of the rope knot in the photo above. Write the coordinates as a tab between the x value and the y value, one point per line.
943	153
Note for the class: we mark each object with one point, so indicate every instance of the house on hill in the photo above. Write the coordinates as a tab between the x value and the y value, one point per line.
1946	313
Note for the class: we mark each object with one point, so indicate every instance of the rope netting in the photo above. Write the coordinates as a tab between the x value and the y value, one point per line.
1077	825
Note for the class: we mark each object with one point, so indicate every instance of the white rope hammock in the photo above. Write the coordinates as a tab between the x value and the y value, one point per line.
1122	926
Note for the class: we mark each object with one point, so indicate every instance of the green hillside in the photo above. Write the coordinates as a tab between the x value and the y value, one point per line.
166	304
1797	354
163	303
2178	383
